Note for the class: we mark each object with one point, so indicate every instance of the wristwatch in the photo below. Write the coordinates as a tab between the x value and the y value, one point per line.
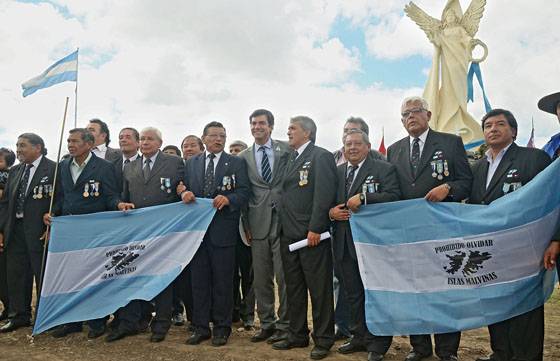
448	187
362	198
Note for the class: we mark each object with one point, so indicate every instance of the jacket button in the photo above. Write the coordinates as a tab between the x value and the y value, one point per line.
414	184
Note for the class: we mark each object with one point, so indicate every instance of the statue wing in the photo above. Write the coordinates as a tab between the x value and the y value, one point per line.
471	19
423	20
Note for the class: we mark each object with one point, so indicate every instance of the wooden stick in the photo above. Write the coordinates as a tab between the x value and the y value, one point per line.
45	237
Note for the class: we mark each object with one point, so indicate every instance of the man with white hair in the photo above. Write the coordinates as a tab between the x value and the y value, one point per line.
148	181
433	166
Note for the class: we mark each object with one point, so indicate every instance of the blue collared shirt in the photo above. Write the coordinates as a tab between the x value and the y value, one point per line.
269	153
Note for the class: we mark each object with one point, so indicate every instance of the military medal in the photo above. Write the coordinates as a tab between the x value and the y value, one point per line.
364	188
40	192
505	188
96	189
168	185
433	164
233	180
35	192
445	168
439	166
303	177
86	189
162	182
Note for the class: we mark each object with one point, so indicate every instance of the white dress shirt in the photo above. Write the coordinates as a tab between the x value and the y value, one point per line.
494	163
32	172
216	160
100	150
302	148
153	160
421	141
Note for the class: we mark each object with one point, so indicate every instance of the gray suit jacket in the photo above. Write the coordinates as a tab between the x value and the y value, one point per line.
150	193
112	155
258	215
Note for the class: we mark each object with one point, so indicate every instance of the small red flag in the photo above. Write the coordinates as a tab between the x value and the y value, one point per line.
382	149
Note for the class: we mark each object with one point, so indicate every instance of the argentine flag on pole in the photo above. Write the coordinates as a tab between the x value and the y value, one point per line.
444	267
65	69
97	263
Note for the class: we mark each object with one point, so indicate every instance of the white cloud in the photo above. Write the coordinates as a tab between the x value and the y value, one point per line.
178	65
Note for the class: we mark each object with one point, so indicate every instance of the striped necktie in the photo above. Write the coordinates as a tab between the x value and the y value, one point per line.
265	165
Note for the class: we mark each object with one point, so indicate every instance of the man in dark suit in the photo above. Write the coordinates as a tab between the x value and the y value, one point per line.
129	142
506	168
87	185
433	166
243	292
25	201
341	308
360	181
101	149
308	191
148	181
222	177
260	221
355	123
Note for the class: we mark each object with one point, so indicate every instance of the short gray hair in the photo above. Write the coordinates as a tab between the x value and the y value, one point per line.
416	99
154	130
240	143
364	135
307	124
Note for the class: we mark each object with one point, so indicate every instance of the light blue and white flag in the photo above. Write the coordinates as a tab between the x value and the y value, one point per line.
97	263
65	69
443	267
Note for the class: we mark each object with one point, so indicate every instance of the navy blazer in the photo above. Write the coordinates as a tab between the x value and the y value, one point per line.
97	171
224	228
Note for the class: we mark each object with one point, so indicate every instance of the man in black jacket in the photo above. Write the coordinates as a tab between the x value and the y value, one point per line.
433	166
308	191
362	180
87	185
26	199
506	168
217	175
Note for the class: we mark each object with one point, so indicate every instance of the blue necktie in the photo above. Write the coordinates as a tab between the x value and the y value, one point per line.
265	166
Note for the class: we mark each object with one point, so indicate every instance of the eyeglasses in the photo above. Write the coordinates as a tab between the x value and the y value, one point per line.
407	113
216	136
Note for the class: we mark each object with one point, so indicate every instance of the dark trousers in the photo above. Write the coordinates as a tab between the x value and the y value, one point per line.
447	344
127	318
352	283
182	293
22	265
164	308
212	275
244	296
309	269
520	338
4	283
341	307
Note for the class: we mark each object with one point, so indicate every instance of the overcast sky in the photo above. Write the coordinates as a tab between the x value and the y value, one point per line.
178	64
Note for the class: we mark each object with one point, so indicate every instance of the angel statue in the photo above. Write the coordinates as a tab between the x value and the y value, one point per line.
453	39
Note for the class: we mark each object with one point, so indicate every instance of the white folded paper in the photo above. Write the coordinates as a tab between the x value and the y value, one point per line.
303	243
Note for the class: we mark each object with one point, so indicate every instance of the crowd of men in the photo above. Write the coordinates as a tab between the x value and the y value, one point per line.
268	195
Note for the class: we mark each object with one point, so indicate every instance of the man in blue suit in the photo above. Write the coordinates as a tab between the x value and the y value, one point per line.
88	185
222	177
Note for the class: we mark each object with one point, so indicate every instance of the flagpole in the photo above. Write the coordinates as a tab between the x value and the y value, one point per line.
45	236
76	90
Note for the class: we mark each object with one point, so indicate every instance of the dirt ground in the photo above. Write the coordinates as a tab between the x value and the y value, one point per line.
20	346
